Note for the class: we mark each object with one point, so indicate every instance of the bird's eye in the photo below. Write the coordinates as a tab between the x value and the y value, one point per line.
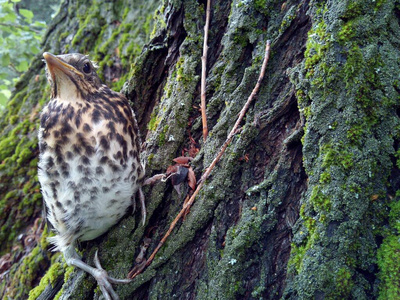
86	68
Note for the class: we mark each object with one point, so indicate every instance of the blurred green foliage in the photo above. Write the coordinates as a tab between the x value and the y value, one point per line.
20	36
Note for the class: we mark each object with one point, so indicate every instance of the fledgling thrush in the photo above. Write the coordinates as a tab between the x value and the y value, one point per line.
89	167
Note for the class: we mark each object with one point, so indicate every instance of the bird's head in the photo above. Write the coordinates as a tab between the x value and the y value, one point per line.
71	76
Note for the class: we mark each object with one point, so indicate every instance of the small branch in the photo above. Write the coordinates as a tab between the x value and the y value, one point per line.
204	177
204	73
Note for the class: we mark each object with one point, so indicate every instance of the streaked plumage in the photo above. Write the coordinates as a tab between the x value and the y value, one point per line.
89	166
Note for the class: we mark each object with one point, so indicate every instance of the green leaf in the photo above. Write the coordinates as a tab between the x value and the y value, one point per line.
6	93
27	14
5	30
23	66
10	17
7	7
34	49
39	24
3	100
5	59
15	1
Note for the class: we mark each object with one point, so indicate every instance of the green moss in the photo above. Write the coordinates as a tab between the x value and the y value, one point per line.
353	66
154	121
343	283
355	134
241	39
50	277
299	250
347	32
316	47
288	18
27	272
183	72
301	97
389	256
296	257
14	105
86	22
150	158
354	9
24	156
337	155
263	6
378	4
325	177
159	23
162	136
7	147
63	35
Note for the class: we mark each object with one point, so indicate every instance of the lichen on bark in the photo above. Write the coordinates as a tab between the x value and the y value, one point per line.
349	98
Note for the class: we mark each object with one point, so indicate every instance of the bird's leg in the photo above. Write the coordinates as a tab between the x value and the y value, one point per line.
142	205
103	280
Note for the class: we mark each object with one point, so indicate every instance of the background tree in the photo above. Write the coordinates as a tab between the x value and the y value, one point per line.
22	24
303	204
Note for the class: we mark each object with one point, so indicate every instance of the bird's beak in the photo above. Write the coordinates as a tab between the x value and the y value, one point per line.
55	64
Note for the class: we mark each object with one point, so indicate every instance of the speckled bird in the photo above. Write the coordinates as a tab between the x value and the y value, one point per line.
89	166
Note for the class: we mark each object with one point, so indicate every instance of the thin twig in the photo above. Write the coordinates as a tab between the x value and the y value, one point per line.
189	203
204	73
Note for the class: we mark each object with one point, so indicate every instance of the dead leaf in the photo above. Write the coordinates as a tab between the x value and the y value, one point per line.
193	150
180	175
183	160
171	170
191	178
374	197
245	158
177	188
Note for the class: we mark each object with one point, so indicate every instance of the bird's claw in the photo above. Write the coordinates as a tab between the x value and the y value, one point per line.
104	281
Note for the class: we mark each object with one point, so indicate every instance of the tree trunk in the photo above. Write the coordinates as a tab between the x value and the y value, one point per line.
304	202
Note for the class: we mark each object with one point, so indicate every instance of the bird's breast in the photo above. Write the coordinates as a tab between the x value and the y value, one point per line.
89	168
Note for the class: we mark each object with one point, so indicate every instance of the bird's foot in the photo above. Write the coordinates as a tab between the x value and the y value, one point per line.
104	280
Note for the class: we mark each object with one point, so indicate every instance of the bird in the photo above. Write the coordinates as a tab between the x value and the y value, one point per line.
89	159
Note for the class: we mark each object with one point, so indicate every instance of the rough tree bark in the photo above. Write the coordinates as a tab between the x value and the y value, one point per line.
303	205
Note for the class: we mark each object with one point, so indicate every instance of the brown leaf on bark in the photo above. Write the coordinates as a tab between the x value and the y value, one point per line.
193	150
191	178
183	160
177	188
180	175
245	158
172	169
